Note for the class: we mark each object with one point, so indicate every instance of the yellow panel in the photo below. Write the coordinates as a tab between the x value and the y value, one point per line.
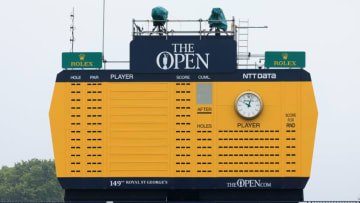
308	121
57	114
153	129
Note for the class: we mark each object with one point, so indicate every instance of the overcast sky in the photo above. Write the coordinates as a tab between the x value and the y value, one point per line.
35	32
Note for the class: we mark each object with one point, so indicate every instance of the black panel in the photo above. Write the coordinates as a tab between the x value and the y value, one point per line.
159	183
185	195
183	54
250	75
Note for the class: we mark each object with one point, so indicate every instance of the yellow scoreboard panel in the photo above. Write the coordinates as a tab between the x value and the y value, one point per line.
122	130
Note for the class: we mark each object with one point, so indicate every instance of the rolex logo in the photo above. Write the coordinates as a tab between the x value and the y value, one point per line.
285	56
82	57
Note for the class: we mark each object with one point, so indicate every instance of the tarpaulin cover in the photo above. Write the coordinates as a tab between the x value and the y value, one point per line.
217	14
159	13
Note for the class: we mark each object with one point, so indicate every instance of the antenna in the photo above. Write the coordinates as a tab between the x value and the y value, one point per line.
72	28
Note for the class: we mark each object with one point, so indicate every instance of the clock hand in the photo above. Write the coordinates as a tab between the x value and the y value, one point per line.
246	104
249	102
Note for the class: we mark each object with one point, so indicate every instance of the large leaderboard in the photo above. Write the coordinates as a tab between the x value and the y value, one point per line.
202	132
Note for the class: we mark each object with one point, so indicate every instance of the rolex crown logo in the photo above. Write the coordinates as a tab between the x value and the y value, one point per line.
285	56
82	57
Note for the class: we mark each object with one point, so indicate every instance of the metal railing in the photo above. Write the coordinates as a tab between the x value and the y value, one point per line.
168	29
201	31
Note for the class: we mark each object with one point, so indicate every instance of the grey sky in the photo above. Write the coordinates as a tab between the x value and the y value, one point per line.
35	32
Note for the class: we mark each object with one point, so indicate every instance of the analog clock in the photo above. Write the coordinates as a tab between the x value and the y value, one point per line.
248	105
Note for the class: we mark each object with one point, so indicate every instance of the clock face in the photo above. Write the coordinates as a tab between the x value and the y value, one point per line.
248	105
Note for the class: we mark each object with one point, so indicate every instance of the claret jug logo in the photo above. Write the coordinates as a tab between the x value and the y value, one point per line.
166	59
184	57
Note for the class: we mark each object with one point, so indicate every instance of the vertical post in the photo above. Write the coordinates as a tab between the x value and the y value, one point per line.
148	23
133	28
72	27
166	30
103	37
247	44
233	27
200	21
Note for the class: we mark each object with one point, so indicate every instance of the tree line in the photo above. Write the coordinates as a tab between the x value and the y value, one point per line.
33	180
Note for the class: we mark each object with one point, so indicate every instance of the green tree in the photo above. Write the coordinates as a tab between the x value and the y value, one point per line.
32	180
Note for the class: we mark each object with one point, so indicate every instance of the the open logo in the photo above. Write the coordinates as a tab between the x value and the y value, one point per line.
183	57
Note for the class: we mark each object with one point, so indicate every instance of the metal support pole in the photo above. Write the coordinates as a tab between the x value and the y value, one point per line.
72	27
166	29
133	28
234	21
200	21
103	37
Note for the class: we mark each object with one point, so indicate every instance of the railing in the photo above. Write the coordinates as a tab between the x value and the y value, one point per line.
168	29
202	30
